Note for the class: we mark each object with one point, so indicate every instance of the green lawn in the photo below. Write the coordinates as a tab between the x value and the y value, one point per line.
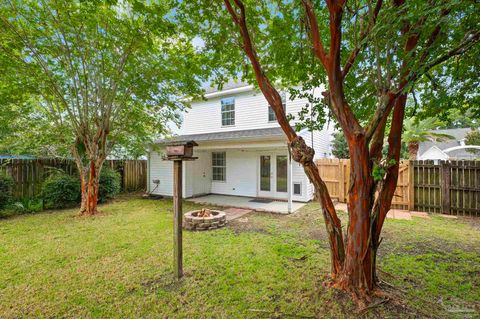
119	265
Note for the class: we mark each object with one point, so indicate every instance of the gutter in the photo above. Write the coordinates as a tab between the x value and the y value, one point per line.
230	91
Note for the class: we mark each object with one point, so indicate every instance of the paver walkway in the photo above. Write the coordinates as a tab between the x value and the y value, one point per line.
234	213
392	213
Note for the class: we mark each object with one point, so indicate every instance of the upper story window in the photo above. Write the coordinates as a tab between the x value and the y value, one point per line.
228	111
271	114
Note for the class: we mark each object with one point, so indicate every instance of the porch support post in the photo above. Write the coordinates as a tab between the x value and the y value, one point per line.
289	180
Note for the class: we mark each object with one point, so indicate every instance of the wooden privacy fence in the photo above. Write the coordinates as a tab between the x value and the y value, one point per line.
449	187
335	173
28	174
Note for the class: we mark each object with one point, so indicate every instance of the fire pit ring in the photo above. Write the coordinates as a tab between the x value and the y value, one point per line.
194	220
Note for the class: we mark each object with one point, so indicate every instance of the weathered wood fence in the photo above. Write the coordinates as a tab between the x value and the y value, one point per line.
449	187
28	174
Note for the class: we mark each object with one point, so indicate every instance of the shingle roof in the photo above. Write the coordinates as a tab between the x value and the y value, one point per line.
232	84
229	135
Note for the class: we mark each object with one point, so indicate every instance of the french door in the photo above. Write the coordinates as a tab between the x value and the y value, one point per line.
273	176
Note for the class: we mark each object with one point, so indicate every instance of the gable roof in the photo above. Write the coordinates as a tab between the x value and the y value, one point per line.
275	132
433	153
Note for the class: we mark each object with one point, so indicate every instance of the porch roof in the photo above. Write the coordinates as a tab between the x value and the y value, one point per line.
227	135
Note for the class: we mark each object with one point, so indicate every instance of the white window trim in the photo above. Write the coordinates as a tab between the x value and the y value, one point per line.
218	166
222	112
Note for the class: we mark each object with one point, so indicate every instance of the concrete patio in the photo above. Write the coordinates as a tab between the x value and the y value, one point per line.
246	202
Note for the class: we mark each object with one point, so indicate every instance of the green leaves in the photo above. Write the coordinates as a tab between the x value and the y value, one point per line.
117	66
416	131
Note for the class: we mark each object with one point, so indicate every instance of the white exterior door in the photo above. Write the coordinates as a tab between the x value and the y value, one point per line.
202	174
273	180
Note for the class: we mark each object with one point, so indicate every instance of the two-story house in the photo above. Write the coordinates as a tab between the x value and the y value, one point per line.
241	150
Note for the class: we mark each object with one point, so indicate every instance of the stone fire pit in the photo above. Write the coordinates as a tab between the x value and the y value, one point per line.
204	219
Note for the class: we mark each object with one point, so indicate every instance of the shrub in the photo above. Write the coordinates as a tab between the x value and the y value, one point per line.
26	206
109	184
61	191
6	184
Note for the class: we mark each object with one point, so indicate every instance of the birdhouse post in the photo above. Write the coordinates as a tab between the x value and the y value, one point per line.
178	152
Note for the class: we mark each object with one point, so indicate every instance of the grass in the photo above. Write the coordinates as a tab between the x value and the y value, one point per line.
119	265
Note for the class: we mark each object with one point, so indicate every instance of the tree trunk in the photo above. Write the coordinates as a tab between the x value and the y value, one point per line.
358	277
90	186
303	154
413	150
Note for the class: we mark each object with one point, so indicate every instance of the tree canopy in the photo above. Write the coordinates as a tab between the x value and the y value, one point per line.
366	57
98	76
87	64
447	36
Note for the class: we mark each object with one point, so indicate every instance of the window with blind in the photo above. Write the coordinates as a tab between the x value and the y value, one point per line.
228	111
219	166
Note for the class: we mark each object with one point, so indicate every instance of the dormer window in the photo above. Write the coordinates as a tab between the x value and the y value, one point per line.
271	114
228	111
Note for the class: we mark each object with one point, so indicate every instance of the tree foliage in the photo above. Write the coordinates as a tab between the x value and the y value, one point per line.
473	138
340	146
91	62
416	131
100	75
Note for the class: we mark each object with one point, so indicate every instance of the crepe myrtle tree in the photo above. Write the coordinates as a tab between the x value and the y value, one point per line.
106	73
369	55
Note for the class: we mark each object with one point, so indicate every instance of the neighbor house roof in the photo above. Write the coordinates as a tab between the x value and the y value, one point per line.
227	135
459	136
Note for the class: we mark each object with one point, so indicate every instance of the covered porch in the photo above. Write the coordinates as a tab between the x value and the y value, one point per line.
240	166
257	204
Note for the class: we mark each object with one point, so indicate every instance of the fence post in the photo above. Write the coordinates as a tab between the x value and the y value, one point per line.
411	186
341	182
445	186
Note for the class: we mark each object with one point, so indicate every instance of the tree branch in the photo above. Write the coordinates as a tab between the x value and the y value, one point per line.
270	93
363	35
318	48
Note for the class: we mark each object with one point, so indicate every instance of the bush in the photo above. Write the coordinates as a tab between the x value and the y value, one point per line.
6	184
26	206
61	191
109	184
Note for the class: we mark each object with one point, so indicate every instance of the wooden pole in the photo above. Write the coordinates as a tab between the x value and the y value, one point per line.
177	219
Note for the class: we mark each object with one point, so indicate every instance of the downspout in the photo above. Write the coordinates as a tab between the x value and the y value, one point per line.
148	170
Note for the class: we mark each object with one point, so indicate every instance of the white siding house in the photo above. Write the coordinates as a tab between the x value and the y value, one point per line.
241	149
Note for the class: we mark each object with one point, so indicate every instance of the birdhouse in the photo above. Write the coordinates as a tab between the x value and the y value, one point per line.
180	150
